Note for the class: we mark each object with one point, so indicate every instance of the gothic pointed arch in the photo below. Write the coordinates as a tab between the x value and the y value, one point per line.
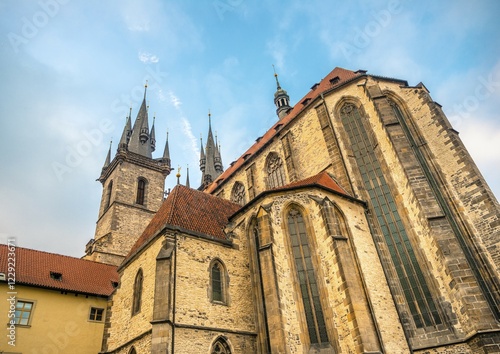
275	171
238	193
132	351
141	191
306	275
220	346
137	296
417	294
108	195
219	282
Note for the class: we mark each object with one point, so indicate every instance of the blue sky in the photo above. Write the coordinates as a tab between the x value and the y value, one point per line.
70	70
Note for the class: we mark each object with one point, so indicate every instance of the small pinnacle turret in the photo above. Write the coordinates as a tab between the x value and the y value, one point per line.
210	158
108	157
281	99
152	135
187	177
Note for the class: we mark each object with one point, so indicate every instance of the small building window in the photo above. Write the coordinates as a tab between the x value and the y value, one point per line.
96	314
141	191
24	309
56	276
218	282
136	304
132	351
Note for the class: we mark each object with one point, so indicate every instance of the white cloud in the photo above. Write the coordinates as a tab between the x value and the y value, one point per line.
148	58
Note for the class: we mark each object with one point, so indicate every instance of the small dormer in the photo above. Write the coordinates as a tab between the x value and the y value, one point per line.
56	276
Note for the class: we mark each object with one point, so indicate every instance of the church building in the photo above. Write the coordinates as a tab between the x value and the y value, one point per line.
358	223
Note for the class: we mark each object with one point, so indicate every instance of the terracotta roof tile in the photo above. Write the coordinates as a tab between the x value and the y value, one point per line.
81	276
336	77
322	179
191	210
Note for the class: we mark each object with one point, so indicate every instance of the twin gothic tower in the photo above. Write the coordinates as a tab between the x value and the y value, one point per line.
134	182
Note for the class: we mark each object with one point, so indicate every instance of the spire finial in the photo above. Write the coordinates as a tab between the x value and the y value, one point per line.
209	118
276	77
145	88
178	175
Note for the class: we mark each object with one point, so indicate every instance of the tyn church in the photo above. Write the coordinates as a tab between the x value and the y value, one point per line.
358	223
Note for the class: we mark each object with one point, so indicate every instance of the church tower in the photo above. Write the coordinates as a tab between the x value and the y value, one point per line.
133	189
210	158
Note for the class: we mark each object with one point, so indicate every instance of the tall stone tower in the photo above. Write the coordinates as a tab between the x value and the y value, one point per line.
133	189
210	158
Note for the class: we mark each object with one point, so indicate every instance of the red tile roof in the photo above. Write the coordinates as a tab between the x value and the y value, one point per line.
328	82
322	179
34	268
191	210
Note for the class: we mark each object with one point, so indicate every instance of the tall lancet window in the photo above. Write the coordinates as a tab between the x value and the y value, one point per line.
275	171
108	195
141	191
218	282
412	280
307	278
136	302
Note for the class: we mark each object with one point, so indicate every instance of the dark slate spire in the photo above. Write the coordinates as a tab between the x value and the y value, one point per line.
108	157
281	99
152	135
139	140
210	161
187	177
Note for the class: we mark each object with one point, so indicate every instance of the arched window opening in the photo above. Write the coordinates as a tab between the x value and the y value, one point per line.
132	351
306	275
275	171
238	194
108	195
220	346
136	304
411	277
218	283
141	191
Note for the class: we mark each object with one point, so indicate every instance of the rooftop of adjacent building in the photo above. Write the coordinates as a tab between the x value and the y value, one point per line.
58	272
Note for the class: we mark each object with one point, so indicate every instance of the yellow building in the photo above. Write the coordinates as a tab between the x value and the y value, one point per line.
57	304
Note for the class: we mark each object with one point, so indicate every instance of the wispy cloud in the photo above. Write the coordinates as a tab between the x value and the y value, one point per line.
148	58
192	142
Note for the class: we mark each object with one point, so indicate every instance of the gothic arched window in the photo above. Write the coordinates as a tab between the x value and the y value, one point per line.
132	351
218	279
417	292
238	194
136	303
306	277
220	346
108	194
141	191
275	171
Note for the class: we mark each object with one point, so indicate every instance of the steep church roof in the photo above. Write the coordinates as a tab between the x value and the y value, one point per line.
335	78
58	272
322	179
190	211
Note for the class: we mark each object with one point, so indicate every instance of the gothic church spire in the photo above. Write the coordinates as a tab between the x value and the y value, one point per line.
210	159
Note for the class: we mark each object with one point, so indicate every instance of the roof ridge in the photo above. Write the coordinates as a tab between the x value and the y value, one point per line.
57	254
